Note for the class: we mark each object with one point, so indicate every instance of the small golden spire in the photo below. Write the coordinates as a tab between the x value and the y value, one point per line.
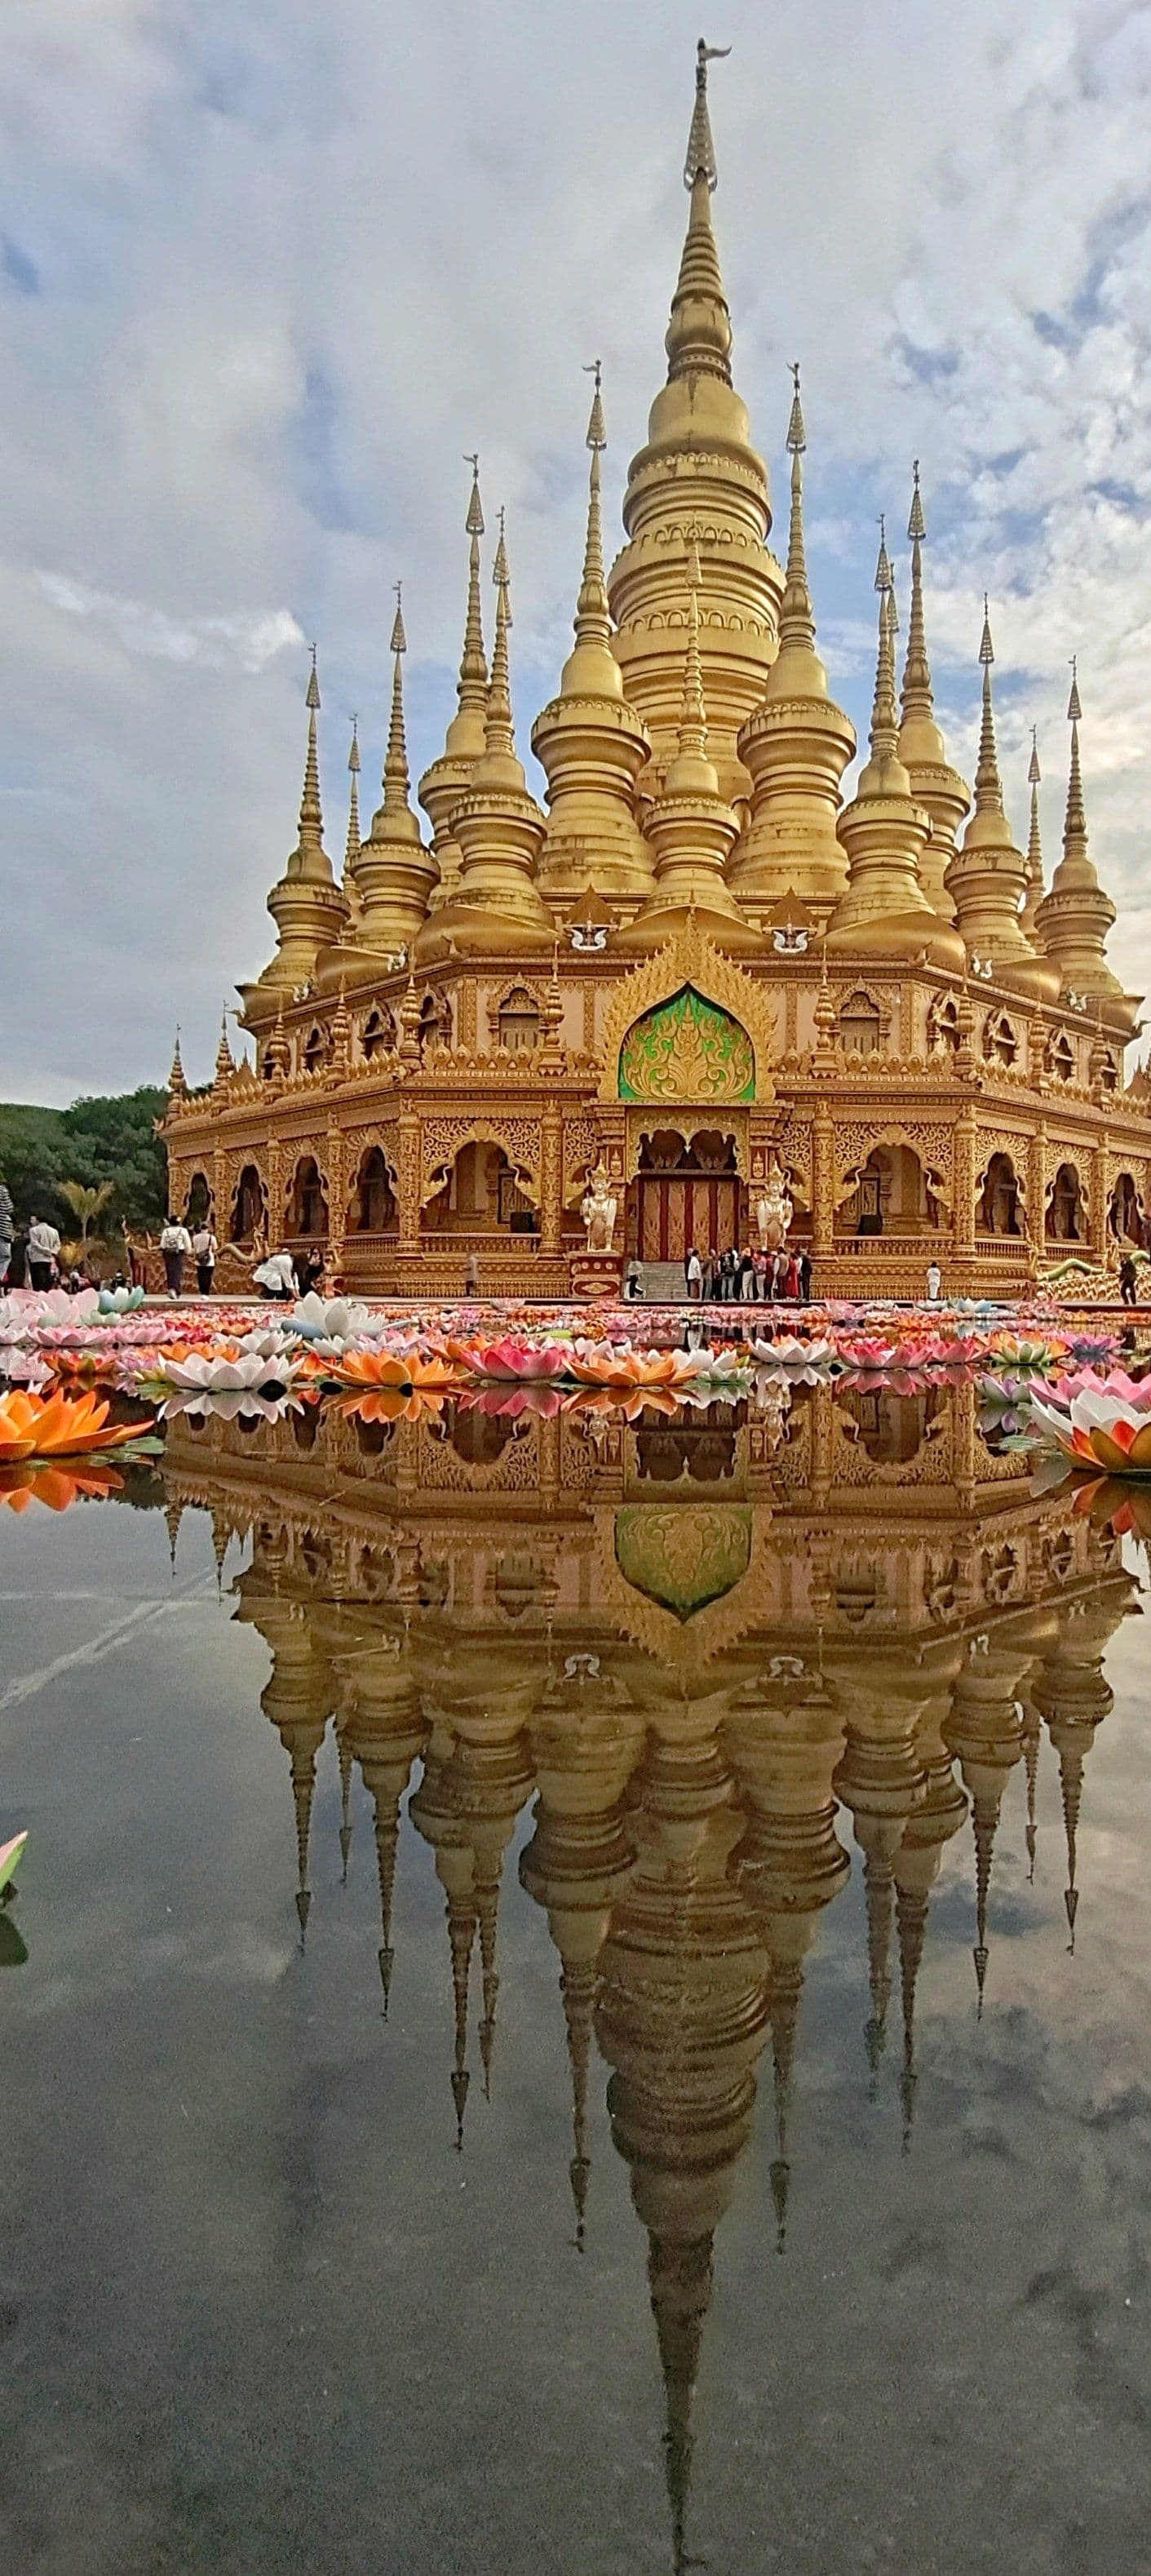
352	851
472	687
396	781
988	785
499	735
311	817
224	1062
916	697
177	1079
1075	824
885	712
1034	896
796	616
592	619
699	333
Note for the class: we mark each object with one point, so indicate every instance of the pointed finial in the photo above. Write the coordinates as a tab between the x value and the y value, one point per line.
177	1079
1034	773
352	851
796	433
472	686
884	712
884	579
796	616
916	697
224	1063
396	781
499	735
500	574
311	817
988	785
592	617
699	162
1075	824
1034	841
1074	710
303	1791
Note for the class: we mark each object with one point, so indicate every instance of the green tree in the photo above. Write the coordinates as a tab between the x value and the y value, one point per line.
86	1203
99	1140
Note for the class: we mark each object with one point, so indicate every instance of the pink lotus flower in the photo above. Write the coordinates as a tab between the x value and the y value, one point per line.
1098	1429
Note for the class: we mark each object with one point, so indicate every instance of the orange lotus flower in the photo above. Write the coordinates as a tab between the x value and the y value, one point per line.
57	1426
624	1371
385	1369
389	1404
56	1487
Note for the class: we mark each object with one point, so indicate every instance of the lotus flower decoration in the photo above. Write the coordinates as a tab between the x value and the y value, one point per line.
57	1426
1103	1426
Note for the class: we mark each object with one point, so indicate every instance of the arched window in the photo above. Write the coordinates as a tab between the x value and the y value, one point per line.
307	1206
999	1040
1109	1073
1064	1223
859	1025
315	1050
999	1199
435	1021
1061	1057
248	1205
198	1206
374	1207
945	1026
1123	1216
379	1033
518	1022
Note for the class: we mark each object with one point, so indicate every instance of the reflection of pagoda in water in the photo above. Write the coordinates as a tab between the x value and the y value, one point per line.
725	1672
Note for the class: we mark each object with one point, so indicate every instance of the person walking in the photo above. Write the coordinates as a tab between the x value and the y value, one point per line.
7	1230
934	1283
43	1253
693	1268
805	1278
1128	1281
746	1276
175	1247
204	1250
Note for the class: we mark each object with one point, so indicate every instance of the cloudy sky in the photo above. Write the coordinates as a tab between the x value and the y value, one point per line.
268	269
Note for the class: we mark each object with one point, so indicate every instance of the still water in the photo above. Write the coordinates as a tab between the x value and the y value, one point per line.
586	2005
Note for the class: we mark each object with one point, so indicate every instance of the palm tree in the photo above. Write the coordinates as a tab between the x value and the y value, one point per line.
86	1203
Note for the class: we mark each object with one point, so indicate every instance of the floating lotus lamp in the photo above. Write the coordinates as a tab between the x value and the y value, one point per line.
790	1353
57	1426
386	1371
1099	1428
119	1301
11	1855
230	1371
56	1487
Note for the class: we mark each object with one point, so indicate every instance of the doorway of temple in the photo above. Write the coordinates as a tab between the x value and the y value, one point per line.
686	1191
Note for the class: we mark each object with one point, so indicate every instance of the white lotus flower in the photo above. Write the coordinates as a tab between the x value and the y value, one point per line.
203	1372
203	1404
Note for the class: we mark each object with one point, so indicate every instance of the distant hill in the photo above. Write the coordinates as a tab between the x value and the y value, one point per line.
102	1138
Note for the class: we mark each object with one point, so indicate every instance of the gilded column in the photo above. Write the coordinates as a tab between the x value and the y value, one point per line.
1098	1196
337	1200
466	1019
220	1209
822	1185
275	1164
965	1185
551	1179
1036	1175
408	1177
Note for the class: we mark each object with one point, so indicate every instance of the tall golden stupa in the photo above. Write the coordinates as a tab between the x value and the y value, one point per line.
698	961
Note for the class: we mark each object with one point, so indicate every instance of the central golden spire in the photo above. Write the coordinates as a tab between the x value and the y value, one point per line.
934	783
698	468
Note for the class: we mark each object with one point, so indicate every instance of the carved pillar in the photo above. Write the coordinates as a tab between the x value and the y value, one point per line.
408	1180
1097	1188
822	1184
965	1185
337	1200
220	1211
466	1016
276	1184
1036	1175
551	1179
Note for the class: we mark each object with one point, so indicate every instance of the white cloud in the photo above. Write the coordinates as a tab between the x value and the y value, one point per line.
274	271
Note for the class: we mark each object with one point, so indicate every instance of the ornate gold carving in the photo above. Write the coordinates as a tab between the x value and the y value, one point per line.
688	958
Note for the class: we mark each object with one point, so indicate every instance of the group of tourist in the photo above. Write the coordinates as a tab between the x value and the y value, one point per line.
747	1278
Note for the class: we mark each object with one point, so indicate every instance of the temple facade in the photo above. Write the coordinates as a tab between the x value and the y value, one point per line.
698	963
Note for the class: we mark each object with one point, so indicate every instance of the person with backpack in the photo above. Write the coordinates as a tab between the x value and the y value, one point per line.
175	1248
204	1251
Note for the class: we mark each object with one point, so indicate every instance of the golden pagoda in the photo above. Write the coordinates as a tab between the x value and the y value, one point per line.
704	954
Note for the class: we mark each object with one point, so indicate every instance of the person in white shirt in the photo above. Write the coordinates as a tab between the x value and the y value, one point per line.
276	1277
934	1282
175	1245
204	1249
694	1269
43	1252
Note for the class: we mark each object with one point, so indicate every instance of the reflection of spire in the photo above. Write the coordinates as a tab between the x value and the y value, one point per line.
786	1988
1071	1793
984	1819
461	1935
387	1841
878	1891
487	1910
303	1791
344	1756
577	1987
173	1515
680	2280
911	1925
1031	1734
